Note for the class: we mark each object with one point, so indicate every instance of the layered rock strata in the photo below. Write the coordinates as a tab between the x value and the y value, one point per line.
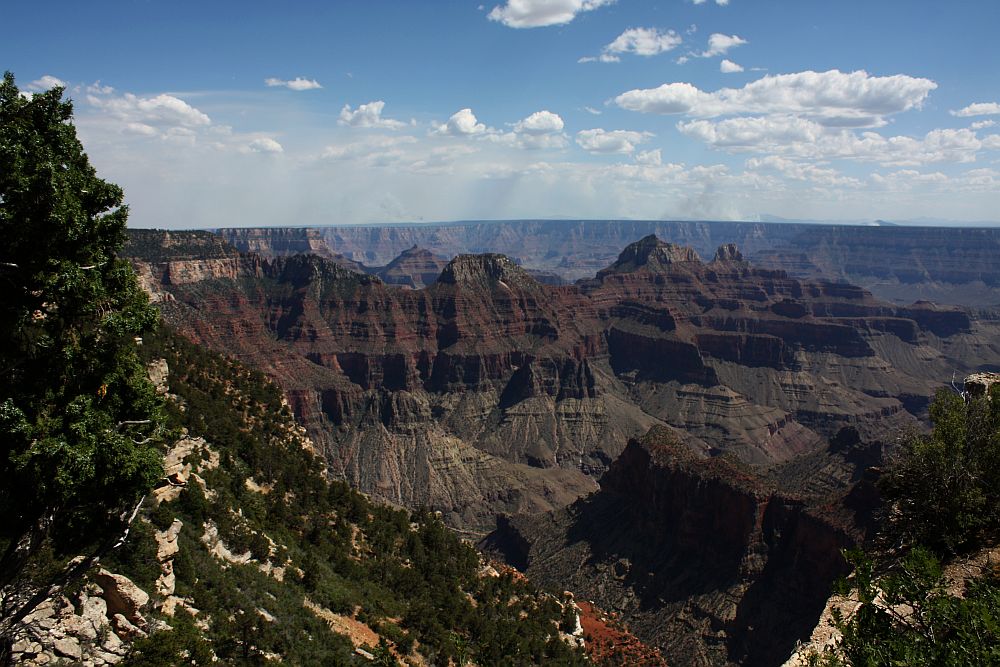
488	392
897	263
700	556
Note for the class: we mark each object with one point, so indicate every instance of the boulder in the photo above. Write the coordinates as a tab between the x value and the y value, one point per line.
979	384
68	648
122	595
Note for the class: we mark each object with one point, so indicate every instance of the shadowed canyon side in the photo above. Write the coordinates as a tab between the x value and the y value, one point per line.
897	263
701	556
488	392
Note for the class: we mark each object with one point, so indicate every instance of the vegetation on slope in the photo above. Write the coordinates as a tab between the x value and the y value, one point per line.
942	507
406	576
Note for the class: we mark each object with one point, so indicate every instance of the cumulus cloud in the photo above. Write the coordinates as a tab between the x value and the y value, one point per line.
542	129
46	82
727	66
799	171
540	123
722	3
97	88
540	13
298	83
161	111
978	109
368	115
835	98
613	141
719	44
264	145
807	139
982	124
992	142
140	130
651	158
462	123
592	111
640	41
764	133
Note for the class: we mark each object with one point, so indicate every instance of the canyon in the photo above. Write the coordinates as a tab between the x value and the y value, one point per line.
685	441
896	263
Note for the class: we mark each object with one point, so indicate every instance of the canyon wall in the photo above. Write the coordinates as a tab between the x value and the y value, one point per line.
489	392
949	265
700	556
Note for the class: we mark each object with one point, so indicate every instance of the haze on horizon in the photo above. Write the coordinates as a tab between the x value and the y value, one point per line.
245	114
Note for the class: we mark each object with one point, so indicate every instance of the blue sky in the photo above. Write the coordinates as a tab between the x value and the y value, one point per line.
252	113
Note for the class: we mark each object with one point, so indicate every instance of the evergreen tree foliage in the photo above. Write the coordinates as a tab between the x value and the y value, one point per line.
942	501
78	416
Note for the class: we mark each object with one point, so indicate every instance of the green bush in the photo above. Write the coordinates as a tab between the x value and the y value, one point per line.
942	490
942	495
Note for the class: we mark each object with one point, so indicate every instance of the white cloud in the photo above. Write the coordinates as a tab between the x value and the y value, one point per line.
905	180
799	171
982	124
97	89
806	139
46	82
978	109
540	123
640	41
161	111
592	110
992	142
653	157
834	98
603	58
141	130
727	66
542	129
754	133
462	123
368	115
540	13
722	3
264	145
613	141
719	44
372	151
298	83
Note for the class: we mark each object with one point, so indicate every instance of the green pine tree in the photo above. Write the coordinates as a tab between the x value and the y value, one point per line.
78	417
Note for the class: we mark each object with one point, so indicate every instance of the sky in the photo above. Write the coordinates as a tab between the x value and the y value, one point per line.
221	113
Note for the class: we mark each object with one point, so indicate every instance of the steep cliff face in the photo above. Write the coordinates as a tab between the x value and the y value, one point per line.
701	557
490	392
900	264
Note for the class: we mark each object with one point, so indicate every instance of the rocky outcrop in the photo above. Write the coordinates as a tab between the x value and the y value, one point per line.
650	254
700	556
95	627
980	384
122	596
